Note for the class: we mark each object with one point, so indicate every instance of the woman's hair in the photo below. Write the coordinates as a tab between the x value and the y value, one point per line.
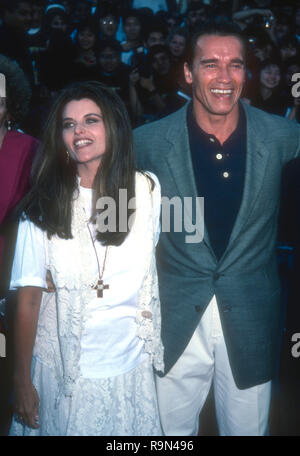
54	177
92	26
18	91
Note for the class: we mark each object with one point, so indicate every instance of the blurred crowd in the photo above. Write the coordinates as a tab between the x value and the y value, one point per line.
138	48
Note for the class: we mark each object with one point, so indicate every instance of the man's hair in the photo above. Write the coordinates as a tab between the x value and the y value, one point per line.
111	43
12	5
214	29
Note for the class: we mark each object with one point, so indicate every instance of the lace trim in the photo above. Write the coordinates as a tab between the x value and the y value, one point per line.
74	292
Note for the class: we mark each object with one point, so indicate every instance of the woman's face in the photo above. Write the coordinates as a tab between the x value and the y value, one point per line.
270	76
177	45
58	23
86	39
83	131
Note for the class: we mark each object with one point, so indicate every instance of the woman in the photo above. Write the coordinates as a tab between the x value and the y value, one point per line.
83	67
16	151
90	345
268	95
16	154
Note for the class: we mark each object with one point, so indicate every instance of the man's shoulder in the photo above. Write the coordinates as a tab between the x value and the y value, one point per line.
160	127
265	122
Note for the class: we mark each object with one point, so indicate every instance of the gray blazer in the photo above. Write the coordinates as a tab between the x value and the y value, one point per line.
245	279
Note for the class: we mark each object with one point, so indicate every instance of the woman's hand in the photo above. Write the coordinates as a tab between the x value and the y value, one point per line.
26	404
51	287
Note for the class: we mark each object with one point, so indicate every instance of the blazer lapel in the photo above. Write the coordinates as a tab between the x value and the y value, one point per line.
179	161
256	161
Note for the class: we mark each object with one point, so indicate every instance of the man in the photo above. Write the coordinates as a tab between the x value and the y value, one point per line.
220	297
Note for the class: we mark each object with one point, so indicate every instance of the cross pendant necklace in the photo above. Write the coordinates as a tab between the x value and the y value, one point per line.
100	285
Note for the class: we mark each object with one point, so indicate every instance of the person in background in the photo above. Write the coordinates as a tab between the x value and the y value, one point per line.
16	154
84	65
133	44
177	41
84	354
13	34
108	23
268	96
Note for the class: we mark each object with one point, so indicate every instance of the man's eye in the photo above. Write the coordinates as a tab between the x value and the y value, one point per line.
211	65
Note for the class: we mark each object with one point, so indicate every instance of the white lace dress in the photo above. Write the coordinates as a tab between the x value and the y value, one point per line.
72	403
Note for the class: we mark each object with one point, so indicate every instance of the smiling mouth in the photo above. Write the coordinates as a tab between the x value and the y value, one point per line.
222	91
82	143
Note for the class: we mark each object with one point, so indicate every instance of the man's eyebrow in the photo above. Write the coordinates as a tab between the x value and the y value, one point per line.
207	61
238	60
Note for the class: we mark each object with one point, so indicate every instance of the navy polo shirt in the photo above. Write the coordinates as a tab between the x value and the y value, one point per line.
219	175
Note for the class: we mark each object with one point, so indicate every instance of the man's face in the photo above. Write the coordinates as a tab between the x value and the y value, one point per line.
109	60
132	28
155	38
37	13
217	74
21	16
161	63
108	25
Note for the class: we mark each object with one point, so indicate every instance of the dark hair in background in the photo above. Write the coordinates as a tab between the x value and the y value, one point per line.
132	13
18	91
111	43
54	179
212	28
92	25
11	5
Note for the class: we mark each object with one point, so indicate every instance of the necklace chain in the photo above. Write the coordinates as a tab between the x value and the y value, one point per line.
100	286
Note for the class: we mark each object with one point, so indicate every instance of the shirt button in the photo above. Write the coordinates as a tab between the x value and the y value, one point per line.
211	139
219	156
216	276
198	308
225	174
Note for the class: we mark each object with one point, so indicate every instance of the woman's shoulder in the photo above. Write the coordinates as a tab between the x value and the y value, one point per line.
147	178
21	139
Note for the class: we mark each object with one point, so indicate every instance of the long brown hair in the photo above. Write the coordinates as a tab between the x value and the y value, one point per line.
49	203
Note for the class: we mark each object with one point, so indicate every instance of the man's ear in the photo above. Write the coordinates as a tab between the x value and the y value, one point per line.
187	73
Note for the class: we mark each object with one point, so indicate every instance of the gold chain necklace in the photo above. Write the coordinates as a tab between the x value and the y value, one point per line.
100	286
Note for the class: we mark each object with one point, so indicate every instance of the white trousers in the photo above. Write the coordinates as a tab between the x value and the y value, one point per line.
183	391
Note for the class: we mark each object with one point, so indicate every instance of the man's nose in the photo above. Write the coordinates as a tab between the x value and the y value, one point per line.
224	74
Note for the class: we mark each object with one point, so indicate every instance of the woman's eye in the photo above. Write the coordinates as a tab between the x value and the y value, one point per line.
91	120
67	125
